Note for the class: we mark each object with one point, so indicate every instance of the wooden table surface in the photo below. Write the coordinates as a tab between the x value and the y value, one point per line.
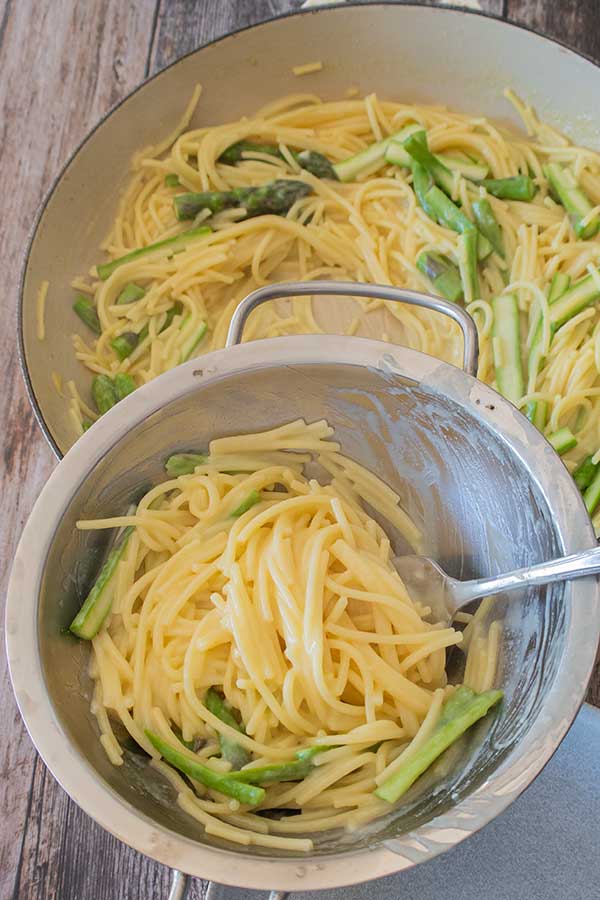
63	64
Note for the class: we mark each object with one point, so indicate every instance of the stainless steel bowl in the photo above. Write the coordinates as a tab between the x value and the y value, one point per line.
417	53
490	494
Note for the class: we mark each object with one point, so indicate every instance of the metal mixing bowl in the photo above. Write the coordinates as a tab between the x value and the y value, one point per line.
490	495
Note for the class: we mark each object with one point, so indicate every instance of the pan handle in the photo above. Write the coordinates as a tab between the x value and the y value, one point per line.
355	289
180	884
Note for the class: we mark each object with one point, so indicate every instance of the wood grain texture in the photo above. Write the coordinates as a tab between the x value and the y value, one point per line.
575	22
63	64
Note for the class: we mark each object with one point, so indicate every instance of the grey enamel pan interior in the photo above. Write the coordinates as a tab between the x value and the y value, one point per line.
402	52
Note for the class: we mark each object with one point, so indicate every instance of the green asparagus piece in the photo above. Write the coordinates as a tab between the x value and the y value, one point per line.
231	751
311	160
172	180
450	216
468	243
459	712
97	605
488	224
349	169
559	285
563	440
184	463
103	393
398	156
125	344
422	182
171	245
442	273
251	500
591	496
416	147
577	204
585	472
246	793
275	198
519	187
295	770
124	385
193	343
506	344
86	311
86	424
130	293
537	413
315	163
578	297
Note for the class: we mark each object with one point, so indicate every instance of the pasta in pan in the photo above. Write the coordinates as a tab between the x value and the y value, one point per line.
361	189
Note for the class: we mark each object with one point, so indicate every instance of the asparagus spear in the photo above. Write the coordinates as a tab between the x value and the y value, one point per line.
537	413
130	293
349	169
559	285
398	156
487	224
519	187
224	784
231	751
459	712
578	297
171	245
275	198
295	770
506	345
193	343
563	440
97	605
86	311
591	496
124	385
448	214
422	182
442	273
184	463
416	147
468	243
585	472
103	393
311	160
572	197
251	500
172	180
173	311
125	344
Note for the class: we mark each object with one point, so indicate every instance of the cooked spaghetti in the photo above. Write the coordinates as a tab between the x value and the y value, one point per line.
259	631
532	289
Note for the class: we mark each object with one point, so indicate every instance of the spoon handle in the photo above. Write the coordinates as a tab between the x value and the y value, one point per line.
576	566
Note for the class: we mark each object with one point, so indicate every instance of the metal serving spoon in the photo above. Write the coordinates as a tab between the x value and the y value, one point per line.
430	586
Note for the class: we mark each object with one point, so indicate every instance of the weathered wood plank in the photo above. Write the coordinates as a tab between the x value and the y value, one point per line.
576	22
63	65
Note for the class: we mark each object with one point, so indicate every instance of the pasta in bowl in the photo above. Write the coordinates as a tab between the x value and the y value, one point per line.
250	629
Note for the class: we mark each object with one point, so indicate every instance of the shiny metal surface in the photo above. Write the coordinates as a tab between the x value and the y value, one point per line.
490	494
368	291
470	59
429	585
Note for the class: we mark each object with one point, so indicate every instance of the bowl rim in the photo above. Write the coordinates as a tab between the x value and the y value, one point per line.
572	527
437	10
